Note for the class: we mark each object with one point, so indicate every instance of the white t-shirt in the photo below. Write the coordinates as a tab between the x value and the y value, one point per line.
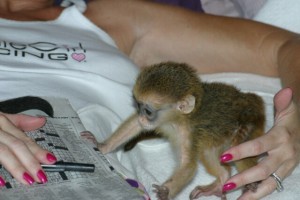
68	57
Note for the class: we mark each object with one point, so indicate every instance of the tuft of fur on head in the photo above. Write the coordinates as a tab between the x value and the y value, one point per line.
171	80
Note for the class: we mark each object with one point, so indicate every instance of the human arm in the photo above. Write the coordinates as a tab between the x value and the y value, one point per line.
19	154
151	33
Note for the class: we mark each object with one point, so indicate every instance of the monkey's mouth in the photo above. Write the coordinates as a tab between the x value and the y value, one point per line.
148	127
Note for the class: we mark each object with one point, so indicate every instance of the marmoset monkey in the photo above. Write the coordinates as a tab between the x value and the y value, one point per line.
200	119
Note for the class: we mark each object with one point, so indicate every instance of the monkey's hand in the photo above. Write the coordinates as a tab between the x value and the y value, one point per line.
86	135
162	192
207	190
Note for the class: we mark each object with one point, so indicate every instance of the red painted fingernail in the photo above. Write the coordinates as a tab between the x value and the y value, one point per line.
229	186
51	157
42	176
2	182
226	157
28	178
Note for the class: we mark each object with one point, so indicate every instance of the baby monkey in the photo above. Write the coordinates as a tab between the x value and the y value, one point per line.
201	120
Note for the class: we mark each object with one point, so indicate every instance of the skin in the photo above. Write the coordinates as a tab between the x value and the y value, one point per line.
18	153
150	37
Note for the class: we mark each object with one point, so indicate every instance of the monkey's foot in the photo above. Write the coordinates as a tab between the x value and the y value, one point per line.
208	190
86	135
251	186
162	192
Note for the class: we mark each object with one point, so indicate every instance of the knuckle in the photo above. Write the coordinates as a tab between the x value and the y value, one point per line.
17	144
243	181
269	188
16	168
257	147
29	141
291	153
285	136
4	149
3	119
264	172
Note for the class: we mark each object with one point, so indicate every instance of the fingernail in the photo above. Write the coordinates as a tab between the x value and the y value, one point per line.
28	178
42	176
226	157
51	157
2	182
229	186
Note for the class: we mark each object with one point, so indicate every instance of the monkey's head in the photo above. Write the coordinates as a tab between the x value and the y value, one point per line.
165	92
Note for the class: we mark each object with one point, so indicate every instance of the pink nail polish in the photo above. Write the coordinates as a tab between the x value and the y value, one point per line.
2	182
226	157
28	178
229	186
51	157
42	176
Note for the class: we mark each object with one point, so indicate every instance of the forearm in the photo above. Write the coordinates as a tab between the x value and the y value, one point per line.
289	66
209	43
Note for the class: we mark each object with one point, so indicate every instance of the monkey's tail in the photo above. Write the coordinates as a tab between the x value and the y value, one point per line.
20	104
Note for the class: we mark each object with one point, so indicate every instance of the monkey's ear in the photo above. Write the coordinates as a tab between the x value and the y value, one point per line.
187	105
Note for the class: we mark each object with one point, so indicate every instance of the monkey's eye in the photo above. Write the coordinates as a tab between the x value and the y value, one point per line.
148	112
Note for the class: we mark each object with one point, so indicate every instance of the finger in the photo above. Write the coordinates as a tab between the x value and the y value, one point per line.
10	162
265	188
17	158
2	182
10	123
269	185
259	172
26	122
282	99
262	172
39	153
253	147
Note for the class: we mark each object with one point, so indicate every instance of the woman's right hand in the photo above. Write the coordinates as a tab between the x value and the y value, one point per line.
20	155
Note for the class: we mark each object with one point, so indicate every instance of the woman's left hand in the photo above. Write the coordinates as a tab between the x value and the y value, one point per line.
282	145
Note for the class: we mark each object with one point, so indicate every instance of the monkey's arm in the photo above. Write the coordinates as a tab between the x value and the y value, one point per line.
125	132
143	136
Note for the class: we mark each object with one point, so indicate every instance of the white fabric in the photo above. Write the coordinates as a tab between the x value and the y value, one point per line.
69	57
233	8
284	14
80	4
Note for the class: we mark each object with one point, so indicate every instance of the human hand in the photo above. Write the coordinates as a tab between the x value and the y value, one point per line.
281	143
19	154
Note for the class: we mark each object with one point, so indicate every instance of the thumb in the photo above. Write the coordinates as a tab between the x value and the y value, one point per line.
26	122
283	102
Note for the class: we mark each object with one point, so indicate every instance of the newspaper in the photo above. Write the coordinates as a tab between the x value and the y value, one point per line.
60	135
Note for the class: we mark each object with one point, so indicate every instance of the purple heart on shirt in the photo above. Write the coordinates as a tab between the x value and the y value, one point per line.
78	56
